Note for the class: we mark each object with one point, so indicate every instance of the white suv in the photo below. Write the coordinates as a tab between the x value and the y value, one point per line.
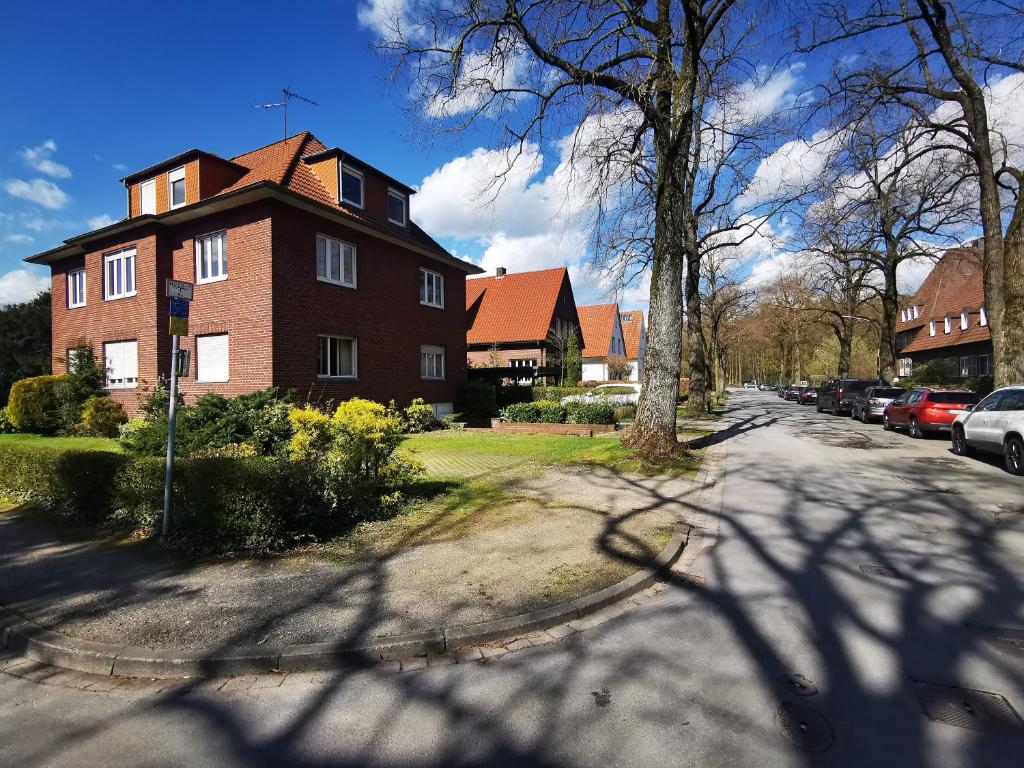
996	425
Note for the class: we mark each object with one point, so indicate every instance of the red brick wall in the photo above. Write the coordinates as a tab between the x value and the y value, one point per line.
482	357
383	312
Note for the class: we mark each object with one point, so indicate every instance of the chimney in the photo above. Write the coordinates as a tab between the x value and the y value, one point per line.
500	272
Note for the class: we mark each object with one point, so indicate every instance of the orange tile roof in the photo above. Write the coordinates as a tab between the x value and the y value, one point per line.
597	321
953	286
517	307
632	324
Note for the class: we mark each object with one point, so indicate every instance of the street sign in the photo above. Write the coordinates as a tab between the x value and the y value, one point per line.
177	289
179	326
179	308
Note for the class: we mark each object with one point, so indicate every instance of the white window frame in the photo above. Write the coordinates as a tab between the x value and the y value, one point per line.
964	321
227	361
394	193
222	235
121	255
917	311
355	357
342	170
178	174
75	290
984	315
341	263
931	327
947	324
437	353
124	382
73	359
148	184
903	315
429	275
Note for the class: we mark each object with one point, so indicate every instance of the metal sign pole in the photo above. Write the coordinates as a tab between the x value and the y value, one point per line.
172	412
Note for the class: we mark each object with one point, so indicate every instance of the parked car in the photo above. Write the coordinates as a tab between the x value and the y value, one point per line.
620	393
995	425
781	391
792	393
749	385
870	404
808	395
767	387
837	395
923	409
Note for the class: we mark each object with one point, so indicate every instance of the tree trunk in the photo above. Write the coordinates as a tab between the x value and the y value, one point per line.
1010	369
887	326
696	402
844	333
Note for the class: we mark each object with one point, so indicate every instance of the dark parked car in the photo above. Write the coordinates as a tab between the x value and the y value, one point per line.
870	404
808	395
837	395
924	410
792	393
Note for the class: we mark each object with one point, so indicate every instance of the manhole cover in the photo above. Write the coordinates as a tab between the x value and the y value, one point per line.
602	698
798	684
966	708
880	570
938	461
805	727
1009	641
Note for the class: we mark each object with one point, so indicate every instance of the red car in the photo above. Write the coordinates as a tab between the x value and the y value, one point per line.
923	409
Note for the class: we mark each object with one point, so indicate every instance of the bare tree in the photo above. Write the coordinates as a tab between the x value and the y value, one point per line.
940	61
643	72
724	299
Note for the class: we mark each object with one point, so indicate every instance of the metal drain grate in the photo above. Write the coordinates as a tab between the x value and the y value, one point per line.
880	570
805	727
966	708
798	684
1009	641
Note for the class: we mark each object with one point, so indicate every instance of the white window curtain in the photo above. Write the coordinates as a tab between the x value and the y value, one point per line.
212	357
147	196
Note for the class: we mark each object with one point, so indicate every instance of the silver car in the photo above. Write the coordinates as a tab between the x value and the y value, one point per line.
995	425
870	404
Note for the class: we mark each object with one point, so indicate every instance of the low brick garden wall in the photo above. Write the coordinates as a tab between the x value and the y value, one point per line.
539	428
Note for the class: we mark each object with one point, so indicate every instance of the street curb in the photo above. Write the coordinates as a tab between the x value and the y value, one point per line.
35	642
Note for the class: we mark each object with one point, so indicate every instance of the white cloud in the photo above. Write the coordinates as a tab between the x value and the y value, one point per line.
480	76
384	16
21	285
789	169
18	238
45	193
40	159
912	272
103	220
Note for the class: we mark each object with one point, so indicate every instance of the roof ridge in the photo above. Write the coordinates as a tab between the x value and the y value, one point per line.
296	157
268	145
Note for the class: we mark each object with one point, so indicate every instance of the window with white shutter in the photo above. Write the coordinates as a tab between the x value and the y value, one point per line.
431	362
147	196
121	360
212	357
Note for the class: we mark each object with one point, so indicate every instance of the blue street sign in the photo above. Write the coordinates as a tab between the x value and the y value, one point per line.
179	308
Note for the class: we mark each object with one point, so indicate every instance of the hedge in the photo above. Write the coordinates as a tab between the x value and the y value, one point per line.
257	504
32	405
557	393
590	413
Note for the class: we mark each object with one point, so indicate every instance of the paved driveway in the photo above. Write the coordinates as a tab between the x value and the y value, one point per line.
867	563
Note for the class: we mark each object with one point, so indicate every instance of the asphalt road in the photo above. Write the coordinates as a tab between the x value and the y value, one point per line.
697	676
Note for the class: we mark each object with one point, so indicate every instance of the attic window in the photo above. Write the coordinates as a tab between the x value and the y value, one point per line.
917	311
351	186
947	325
964	322
396	207
984	315
903	315
176	184
931	327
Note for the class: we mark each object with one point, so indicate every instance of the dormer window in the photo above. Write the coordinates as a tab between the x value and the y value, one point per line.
903	315
984	316
931	327
947	325
396	208
964	322
351	186
147	196
917	311
176	187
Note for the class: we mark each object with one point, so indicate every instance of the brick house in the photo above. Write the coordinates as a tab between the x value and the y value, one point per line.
634	335
602	328
945	319
308	276
518	317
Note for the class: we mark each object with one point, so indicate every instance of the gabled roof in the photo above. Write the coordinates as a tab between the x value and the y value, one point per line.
516	307
632	326
954	285
597	323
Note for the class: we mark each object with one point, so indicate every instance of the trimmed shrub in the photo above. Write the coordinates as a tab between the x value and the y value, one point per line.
419	417
101	417
590	413
32	406
521	413
557	393
477	400
550	411
624	413
367	434
6	426
73	389
513	393
312	434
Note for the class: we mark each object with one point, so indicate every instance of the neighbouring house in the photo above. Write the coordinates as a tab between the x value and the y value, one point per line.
634	335
519	320
602	328
308	275
946	320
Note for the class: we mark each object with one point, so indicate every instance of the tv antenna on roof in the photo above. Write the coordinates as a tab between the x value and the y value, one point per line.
283	104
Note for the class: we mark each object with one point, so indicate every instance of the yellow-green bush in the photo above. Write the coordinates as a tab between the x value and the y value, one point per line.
32	405
312	434
367	434
101	417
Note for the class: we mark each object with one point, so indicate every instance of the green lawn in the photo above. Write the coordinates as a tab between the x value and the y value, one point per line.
80	443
